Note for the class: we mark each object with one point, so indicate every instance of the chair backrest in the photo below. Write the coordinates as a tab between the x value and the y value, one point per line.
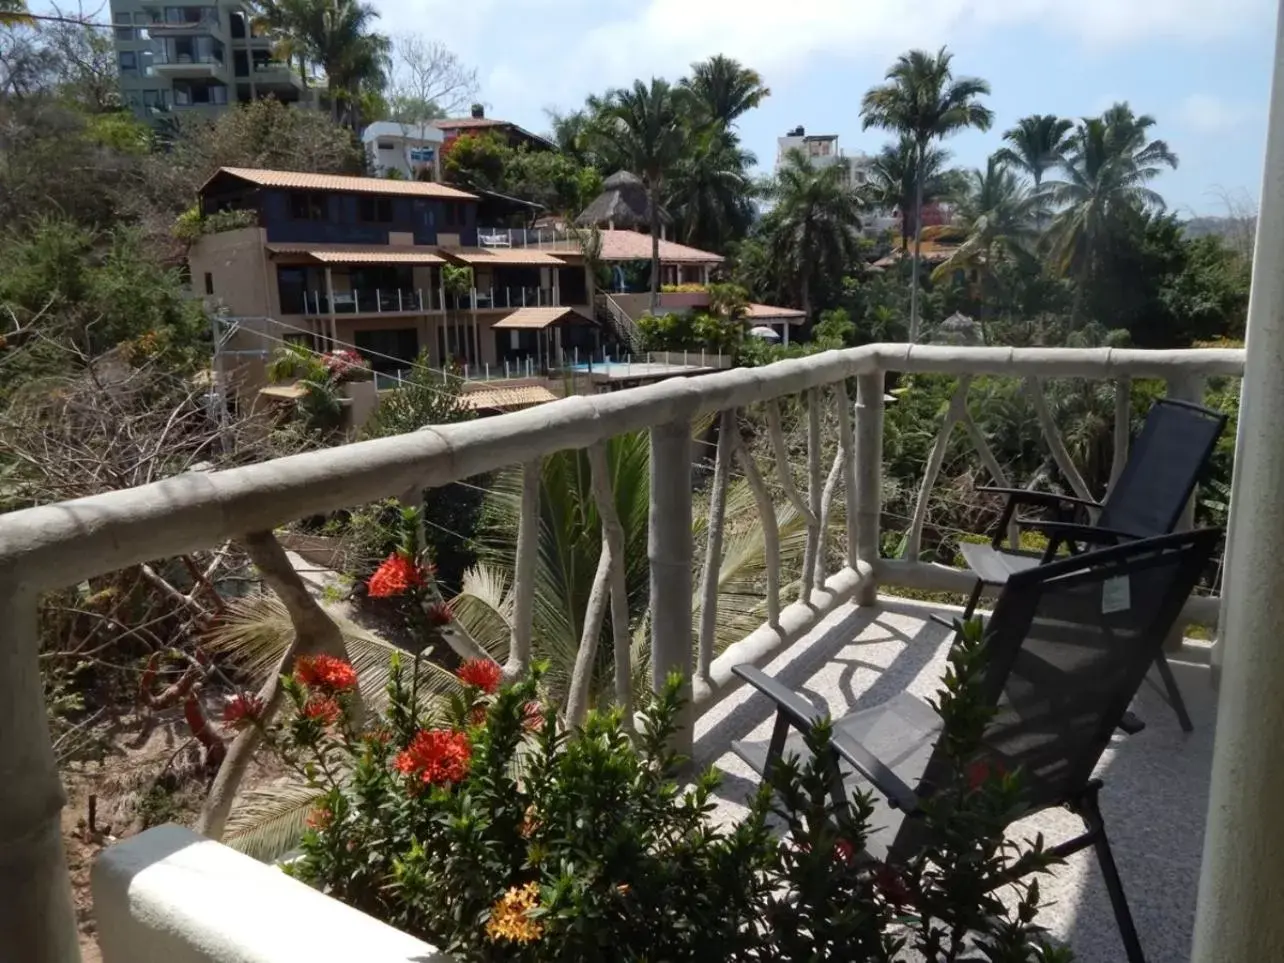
1069	644
1164	464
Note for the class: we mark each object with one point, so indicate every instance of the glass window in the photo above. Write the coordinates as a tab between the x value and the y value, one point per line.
143	18
128	62
122	18
218	94
308	206
375	210
125	33
387	145
182	96
209	283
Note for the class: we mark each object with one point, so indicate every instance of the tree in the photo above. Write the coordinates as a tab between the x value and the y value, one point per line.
1107	166
478	161
427	82
996	221
335	35
710	193
813	230
922	99
1035	145
722	90
645	125
893	176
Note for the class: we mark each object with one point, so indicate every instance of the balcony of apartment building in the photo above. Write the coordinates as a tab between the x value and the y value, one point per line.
258	74
183	21
358	290
190	58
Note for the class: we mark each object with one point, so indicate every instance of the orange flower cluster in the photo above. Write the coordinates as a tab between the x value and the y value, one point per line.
436	757
324	709
395	576
483	674
320	819
241	710
509	919
325	672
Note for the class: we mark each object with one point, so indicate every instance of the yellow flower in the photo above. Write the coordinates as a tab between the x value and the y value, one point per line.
508	919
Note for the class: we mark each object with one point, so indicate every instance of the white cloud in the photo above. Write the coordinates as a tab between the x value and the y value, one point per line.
1208	114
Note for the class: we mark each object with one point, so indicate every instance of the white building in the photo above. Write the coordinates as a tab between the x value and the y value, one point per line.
823	151
412	149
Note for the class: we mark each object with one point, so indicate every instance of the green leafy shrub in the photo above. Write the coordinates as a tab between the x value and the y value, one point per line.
485	827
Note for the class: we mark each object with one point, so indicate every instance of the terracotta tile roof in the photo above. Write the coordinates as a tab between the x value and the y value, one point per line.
633	246
336	182
454	123
500	255
763	312
362	253
500	397
539	318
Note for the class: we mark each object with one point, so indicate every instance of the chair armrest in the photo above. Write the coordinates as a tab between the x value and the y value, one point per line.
1028	497
802	715
1066	531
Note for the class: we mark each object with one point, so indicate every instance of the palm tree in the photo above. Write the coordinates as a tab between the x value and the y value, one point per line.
891	184
1107	165
923	99
645	126
813	230
568	547
997	220
722	89
1035	145
337	36
710	191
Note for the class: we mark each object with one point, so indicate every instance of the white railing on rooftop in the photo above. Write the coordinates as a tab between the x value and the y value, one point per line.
63	544
541	238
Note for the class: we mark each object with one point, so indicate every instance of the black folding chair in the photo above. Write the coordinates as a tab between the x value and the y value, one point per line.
1164	464
1069	644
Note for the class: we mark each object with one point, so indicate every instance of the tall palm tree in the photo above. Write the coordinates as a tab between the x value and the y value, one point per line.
924	100
813	229
710	191
1107	165
722	89
891	180
1035	145
644	124
997	220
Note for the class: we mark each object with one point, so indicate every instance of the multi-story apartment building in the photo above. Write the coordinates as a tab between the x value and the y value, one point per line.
333	260
195	59
823	151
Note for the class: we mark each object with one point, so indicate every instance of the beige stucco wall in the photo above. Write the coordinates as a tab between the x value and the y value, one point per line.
244	279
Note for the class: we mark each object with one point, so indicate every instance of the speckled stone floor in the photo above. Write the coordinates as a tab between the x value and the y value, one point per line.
1156	782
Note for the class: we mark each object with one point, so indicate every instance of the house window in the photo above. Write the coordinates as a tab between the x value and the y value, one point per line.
454	214
388	350
386	145
209	283
128	62
375	210
308	206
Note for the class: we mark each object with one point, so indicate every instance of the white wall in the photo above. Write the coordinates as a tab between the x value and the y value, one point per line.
170	896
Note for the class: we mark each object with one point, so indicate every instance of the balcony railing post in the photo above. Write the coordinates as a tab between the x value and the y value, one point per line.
869	476
37	919
669	550
400	307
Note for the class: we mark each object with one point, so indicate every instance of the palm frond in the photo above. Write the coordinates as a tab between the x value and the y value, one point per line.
268	821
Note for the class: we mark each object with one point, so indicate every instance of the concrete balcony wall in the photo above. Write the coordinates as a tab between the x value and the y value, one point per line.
170	896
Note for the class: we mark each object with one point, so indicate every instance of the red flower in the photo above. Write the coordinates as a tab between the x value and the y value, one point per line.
241	710
484	674
888	882
325	672
440	613
324	709
844	851
980	771
533	716
477	715
320	818
437	757
397	575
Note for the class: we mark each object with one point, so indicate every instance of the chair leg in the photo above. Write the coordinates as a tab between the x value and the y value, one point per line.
973	599
1174	693
1114	885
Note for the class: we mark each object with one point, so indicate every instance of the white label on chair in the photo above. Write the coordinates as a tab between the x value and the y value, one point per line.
1115	595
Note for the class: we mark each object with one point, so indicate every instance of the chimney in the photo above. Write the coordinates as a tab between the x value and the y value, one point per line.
479	111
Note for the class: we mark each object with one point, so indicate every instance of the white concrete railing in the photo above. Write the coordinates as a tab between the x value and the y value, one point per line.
57	545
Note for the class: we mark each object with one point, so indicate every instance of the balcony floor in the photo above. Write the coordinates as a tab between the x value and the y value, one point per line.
1156	782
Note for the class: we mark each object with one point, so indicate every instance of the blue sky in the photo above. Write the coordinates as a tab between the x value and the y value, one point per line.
1201	68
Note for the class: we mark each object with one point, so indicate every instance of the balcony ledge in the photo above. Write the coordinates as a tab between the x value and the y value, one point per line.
170	895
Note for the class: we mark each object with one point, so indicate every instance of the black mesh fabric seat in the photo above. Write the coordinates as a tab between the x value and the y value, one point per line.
1069	643
1157	481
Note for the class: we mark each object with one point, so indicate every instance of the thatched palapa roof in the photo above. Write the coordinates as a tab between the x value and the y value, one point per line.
622	204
